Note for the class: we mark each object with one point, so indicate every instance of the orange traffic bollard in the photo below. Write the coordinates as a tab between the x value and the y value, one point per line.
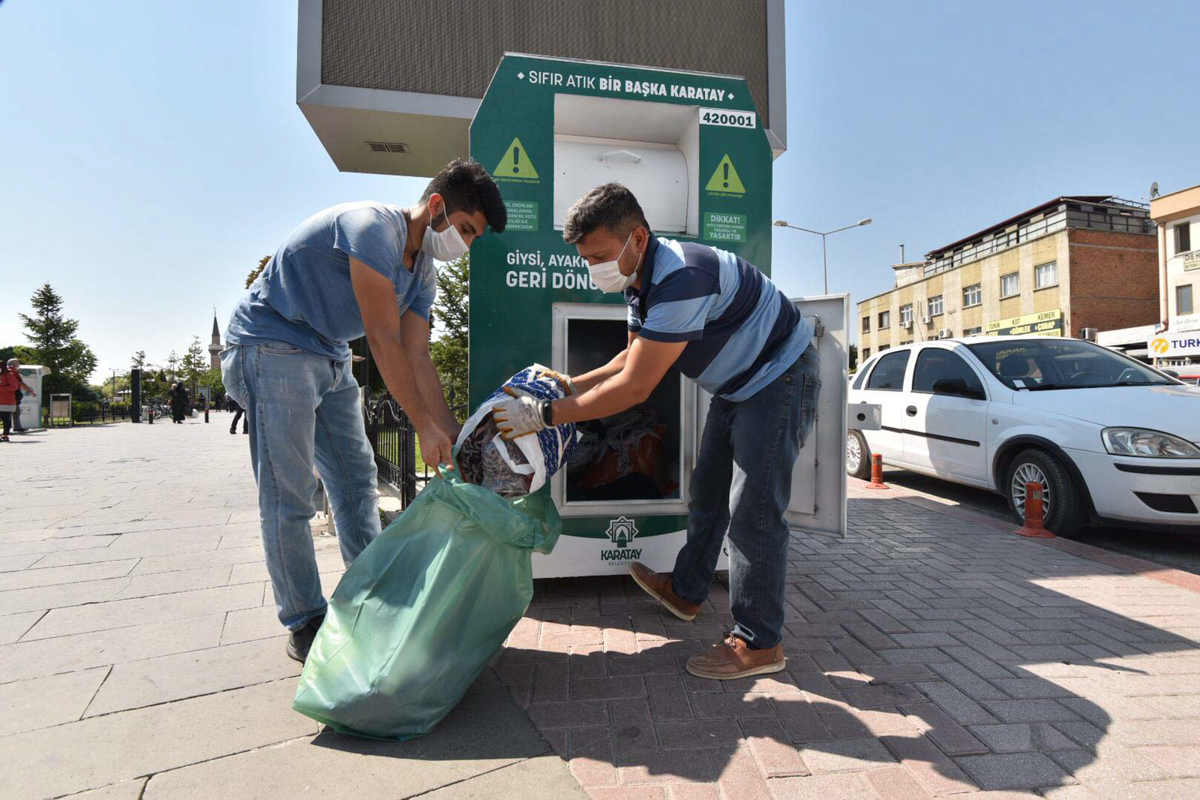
877	473
1034	513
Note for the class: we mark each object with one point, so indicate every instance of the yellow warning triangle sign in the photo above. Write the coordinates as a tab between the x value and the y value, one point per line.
726	178
516	163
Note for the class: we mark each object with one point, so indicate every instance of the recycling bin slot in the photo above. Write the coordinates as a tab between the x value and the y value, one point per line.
638	461
634	455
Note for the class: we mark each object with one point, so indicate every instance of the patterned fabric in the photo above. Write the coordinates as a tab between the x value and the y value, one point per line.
478	454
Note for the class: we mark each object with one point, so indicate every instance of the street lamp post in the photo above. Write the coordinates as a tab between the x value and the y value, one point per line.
783	223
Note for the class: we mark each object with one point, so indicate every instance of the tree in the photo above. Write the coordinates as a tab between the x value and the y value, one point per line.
55	345
107	389
452	311
139	359
853	357
211	380
194	364
53	337
172	366
254	273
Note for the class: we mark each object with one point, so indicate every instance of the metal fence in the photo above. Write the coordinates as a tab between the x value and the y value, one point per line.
85	412
394	441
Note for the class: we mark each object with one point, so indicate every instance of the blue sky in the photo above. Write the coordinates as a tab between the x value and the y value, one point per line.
152	152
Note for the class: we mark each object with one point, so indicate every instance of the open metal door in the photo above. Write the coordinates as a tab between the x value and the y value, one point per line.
819	480
818	500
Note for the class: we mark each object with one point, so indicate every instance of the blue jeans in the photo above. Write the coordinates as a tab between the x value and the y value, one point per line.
743	483
304	410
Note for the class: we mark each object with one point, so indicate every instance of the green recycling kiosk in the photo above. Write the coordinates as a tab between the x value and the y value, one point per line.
692	148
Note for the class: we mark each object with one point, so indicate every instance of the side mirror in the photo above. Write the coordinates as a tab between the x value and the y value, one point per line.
1170	373
956	387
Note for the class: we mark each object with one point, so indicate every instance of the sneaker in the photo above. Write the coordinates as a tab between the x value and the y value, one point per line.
232	431
731	658
658	586
301	639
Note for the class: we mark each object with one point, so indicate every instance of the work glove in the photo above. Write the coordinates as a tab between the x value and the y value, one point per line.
568	385
520	415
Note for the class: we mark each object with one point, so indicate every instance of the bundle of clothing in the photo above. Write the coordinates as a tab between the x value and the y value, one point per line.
521	466
626	444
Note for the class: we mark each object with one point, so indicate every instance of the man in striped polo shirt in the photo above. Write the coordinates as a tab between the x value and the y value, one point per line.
727	327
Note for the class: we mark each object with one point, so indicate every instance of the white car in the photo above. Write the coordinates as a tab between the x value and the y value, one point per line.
1109	439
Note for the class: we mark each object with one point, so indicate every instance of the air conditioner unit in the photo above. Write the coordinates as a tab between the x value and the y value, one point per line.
945	333
925	319
1089	334
906	323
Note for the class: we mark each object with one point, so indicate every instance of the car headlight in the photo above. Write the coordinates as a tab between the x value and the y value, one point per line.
1147	444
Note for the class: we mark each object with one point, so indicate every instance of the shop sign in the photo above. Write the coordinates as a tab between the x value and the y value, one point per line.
1191	261
1043	323
1168	345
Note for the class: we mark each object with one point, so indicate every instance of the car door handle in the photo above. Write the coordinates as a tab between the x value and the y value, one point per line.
911	411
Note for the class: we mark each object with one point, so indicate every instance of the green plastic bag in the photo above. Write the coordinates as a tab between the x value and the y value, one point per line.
423	608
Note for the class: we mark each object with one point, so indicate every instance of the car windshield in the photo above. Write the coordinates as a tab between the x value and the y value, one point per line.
1049	363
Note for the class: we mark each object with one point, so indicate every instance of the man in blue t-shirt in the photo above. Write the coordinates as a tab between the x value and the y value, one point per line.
352	270
724	325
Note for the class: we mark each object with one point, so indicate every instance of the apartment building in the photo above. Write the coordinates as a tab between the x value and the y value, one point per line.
1086	261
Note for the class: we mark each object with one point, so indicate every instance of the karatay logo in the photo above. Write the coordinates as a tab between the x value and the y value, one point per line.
621	532
1160	345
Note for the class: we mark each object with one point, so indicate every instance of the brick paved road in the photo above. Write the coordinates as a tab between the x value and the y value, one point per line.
928	655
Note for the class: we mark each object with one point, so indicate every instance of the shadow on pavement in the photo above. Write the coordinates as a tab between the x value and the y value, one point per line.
942	650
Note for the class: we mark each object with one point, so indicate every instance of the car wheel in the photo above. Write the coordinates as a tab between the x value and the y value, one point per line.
858	456
1060	495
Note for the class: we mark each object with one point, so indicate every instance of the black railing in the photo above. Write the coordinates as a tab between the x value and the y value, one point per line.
87	412
394	441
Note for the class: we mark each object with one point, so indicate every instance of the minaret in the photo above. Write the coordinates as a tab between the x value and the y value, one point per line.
214	348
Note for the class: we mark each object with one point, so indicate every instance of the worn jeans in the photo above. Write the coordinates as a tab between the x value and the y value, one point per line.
743	483
304	410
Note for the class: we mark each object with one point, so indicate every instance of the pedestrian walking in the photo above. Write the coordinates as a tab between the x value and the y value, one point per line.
179	403
10	384
15	365
239	413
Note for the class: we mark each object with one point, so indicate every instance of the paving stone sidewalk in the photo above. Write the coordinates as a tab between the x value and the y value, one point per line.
930	653
140	655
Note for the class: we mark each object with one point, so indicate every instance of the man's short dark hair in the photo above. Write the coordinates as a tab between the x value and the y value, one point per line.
466	186
610	206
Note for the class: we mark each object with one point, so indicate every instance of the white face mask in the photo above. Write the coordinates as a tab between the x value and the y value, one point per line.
444	245
607	275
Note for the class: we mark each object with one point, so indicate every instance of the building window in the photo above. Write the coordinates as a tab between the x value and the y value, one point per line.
973	295
1183	299
1045	275
866	353
906	316
885	319
866	324
1183	237
883	347
1010	285
972	331
936	306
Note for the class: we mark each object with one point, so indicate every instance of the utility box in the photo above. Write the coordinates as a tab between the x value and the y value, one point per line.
29	412
692	148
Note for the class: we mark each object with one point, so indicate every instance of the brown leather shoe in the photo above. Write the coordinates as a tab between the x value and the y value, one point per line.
658	586
731	658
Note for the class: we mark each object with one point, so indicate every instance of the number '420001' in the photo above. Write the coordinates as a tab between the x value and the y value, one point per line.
730	119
